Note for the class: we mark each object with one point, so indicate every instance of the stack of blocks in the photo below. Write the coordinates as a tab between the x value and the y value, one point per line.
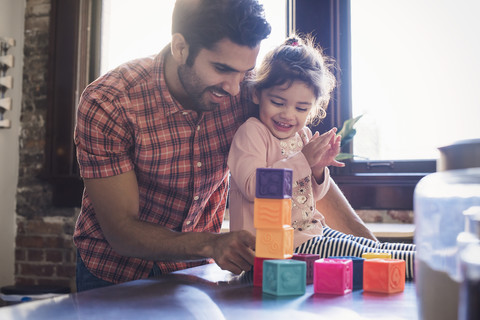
279	275
274	242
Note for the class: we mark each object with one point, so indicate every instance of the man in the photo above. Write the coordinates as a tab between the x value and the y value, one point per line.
152	142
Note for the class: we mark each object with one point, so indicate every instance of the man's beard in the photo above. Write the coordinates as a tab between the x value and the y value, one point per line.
193	86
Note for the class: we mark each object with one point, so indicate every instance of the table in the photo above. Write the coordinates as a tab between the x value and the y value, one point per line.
207	292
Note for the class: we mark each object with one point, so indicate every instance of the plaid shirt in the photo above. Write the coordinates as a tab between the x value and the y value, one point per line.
127	120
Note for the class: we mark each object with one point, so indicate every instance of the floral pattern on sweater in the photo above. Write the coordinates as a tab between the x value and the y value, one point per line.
302	193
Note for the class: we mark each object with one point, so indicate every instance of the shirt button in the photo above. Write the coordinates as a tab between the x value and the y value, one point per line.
198	128
196	198
199	164
189	222
184	113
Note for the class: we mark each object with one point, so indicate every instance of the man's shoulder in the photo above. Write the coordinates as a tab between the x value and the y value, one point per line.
123	79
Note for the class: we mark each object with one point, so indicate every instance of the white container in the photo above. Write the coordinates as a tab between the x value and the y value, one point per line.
439	202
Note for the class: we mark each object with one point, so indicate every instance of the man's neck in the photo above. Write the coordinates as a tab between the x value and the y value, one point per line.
173	82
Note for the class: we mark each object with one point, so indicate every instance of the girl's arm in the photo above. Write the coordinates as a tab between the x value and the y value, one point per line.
340	215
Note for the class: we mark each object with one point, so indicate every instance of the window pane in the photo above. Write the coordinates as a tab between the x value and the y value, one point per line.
415	76
134	29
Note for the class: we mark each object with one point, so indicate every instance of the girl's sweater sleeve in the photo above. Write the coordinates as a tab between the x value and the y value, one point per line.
247	153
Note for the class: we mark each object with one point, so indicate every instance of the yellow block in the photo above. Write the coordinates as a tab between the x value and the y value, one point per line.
272	213
377	255
274	243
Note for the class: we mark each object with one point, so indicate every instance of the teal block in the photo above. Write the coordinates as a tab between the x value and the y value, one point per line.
284	277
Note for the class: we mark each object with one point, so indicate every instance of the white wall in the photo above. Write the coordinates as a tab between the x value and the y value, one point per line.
12	17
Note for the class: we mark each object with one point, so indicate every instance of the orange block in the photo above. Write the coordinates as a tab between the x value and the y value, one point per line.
272	213
377	255
384	275
274	243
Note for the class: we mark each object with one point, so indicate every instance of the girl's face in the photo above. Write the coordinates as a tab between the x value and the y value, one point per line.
284	109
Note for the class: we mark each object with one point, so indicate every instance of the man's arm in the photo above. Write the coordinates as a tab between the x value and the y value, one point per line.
116	203
339	214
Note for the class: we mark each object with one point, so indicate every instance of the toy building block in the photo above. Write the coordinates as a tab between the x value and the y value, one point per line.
272	213
284	277
258	271
357	270
310	261
276	243
333	276
377	255
273	183
384	275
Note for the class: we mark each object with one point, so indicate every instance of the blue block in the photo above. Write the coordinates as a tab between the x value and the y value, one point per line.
357	270
284	277
273	183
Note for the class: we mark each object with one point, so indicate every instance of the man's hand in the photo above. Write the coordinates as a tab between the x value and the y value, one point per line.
234	251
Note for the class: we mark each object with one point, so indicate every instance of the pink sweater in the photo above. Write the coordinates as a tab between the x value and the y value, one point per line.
255	147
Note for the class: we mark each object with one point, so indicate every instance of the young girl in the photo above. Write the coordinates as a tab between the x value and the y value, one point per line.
292	88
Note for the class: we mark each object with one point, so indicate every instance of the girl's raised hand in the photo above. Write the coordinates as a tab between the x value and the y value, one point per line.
321	150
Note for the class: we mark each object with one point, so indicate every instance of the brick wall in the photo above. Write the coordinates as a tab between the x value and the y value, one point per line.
44	251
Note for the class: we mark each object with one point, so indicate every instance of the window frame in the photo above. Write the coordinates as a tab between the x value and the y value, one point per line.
366	184
73	62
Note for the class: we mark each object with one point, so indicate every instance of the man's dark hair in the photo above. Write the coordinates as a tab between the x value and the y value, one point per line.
205	22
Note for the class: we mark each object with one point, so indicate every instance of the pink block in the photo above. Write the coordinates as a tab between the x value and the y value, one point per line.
333	276
310	260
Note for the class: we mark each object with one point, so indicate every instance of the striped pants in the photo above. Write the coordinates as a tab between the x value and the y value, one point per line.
336	243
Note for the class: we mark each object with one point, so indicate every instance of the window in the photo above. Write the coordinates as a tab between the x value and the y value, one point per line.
385	181
146	33
149	29
415	72
376	183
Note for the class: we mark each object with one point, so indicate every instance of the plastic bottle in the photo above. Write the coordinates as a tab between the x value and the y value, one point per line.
439	202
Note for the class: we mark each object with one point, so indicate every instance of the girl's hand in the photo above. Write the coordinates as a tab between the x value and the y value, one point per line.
321	150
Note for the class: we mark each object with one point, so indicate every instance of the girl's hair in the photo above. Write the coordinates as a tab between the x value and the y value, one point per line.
299	59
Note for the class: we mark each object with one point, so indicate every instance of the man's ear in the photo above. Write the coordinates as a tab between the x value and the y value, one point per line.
179	47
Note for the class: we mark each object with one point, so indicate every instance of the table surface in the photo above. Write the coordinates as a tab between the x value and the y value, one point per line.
207	292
